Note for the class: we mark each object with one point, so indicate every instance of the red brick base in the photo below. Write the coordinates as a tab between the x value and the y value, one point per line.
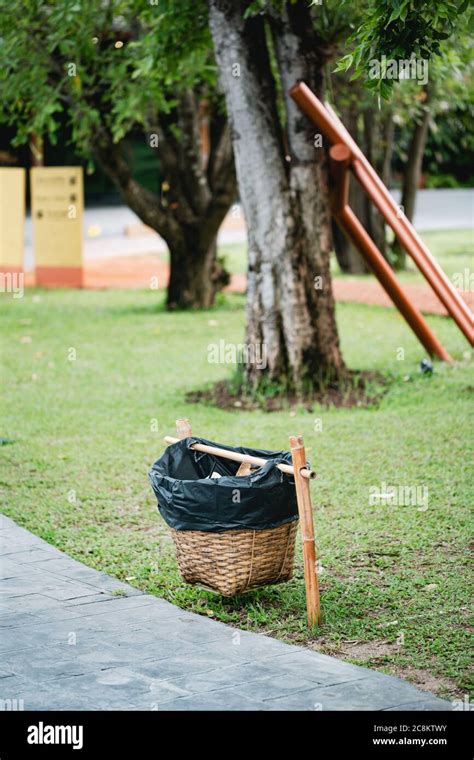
59	277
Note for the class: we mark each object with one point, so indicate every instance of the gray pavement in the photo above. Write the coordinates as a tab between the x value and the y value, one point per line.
72	638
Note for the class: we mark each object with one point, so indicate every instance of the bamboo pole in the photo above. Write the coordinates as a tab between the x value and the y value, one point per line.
183	428
236	457
303	497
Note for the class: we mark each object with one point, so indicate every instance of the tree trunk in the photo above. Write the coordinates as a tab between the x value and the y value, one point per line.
36	146
348	257
290	304
412	175
374	149
414	163
195	273
199	192
388	135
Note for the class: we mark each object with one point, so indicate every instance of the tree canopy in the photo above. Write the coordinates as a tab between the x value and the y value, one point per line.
103	69
400	30
111	65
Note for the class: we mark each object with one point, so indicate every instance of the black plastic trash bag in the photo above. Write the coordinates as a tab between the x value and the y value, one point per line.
191	497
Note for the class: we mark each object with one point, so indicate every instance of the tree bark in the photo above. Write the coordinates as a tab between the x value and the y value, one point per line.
284	195
375	150
195	270
36	146
349	96
388	135
414	163
196	194
412	174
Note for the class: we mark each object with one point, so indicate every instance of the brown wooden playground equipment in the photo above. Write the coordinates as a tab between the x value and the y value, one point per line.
345	154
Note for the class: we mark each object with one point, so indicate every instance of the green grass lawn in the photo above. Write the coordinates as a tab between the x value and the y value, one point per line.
453	249
82	434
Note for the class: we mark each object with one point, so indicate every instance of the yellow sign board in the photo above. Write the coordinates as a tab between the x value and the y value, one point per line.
12	218
57	205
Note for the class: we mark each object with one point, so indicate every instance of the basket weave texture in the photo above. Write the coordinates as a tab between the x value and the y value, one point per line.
236	560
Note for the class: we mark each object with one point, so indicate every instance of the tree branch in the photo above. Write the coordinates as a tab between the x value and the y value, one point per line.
143	202
221	172
194	174
170	165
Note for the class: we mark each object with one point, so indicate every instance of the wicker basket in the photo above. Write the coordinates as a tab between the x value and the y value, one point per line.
236	560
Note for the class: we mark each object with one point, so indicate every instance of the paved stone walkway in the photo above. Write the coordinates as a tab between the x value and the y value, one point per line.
72	638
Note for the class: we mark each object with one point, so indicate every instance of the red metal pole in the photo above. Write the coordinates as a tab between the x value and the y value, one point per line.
453	306
340	156
386	277
335	131
340	159
428	266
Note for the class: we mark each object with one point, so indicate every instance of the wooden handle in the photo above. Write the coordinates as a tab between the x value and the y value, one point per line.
236	457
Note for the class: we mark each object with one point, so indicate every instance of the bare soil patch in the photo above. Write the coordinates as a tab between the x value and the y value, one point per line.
363	389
